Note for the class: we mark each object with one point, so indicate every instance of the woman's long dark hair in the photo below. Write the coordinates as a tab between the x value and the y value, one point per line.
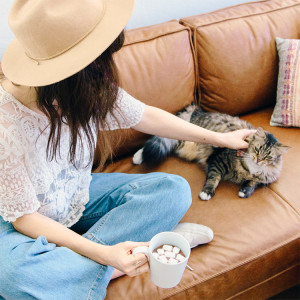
89	95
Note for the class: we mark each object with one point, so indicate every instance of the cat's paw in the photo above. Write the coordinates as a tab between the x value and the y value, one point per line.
242	194
245	192
138	157
205	196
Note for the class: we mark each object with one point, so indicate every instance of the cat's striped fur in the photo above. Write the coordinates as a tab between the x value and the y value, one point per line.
259	164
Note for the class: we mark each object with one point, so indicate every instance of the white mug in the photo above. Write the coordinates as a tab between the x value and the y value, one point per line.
162	274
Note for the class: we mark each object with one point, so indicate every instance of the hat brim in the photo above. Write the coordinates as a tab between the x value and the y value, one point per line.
20	69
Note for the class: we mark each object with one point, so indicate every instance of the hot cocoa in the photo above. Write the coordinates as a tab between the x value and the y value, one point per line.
168	254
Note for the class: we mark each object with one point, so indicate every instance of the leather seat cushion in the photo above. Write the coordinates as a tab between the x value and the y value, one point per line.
263	229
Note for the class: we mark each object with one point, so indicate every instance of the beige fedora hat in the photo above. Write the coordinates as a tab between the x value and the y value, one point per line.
57	38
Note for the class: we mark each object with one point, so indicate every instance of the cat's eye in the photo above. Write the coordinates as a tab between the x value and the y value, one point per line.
269	157
256	149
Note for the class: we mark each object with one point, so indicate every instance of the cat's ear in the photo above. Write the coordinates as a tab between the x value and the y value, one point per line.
282	148
251	136
260	132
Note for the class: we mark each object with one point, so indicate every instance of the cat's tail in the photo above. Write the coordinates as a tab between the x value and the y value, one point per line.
155	150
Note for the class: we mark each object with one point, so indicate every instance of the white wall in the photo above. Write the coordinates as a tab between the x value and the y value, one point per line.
5	34
146	12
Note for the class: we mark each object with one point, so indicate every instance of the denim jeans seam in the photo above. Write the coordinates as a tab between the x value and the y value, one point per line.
107	215
96	239
102	223
95	281
133	186
93	215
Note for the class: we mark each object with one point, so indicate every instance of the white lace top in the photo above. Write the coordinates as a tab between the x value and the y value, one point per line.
28	181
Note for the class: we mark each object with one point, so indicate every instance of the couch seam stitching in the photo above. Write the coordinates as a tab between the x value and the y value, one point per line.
238	17
264	281
194	55
158	36
234	267
284	199
229	7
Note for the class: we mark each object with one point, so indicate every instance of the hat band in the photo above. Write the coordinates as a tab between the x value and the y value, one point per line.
37	60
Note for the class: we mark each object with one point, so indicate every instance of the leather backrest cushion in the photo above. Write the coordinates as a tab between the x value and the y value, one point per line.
157	66
236	54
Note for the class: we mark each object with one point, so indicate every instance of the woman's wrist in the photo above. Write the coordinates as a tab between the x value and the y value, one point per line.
212	138
100	253
218	139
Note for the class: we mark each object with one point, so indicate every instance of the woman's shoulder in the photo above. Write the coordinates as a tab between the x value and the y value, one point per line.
4	96
8	113
11	120
11	110
7	104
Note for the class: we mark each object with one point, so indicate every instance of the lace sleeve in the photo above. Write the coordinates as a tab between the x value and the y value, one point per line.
128	112
17	195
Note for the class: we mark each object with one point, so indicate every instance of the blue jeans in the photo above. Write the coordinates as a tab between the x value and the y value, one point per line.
122	207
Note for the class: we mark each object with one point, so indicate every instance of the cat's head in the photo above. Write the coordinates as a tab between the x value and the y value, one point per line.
264	149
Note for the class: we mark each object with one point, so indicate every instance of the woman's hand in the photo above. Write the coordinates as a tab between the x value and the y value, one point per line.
120	257
235	139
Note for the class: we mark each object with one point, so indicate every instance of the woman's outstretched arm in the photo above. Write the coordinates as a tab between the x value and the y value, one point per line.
156	121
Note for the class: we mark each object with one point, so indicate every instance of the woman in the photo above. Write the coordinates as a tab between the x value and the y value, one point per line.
64	234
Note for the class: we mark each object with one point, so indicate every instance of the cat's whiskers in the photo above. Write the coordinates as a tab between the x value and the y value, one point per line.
246	157
254	167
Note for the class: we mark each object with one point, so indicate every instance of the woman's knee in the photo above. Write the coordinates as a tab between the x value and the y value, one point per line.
178	191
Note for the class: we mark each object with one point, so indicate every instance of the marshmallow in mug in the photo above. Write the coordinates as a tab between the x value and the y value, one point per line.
168	254
166	275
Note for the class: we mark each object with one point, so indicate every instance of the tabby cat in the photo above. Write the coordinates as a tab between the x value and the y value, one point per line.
259	164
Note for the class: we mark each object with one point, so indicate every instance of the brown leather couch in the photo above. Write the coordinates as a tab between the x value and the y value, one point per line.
226	61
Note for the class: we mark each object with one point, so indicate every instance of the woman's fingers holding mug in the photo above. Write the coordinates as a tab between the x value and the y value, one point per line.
131	245
140	265
120	257
140	259
143	269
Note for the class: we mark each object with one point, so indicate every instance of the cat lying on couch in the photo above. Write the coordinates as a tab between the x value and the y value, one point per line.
260	164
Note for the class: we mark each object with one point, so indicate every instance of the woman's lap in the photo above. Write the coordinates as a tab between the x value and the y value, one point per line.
121	207
105	192
158	194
